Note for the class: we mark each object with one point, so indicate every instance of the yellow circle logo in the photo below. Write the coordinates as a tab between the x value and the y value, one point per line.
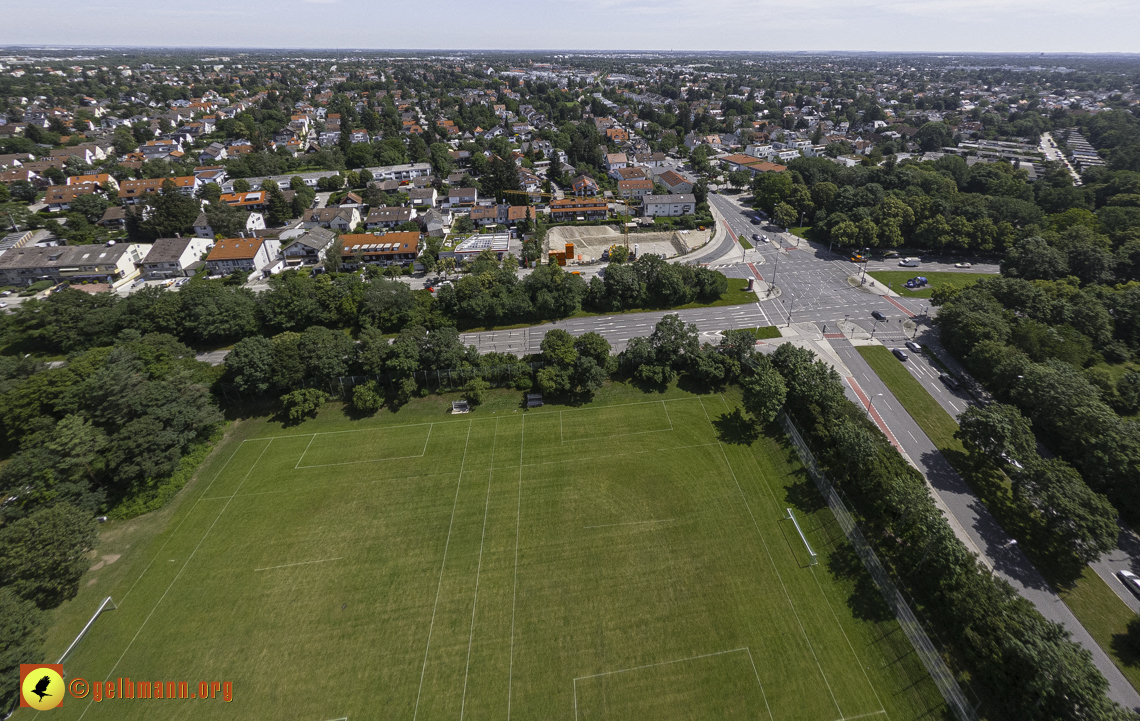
43	689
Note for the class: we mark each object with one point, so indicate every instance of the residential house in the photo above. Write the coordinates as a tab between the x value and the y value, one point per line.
59	197
462	196
635	188
668	205
632	173
172	257
753	165
113	217
350	200
388	217
382	249
246	255
308	249
213	153
342	219
570	209
422	197
102	180
131	191
15	160
584	186
111	263
435	223
250	200
650	160
674	182
160	149
483	216
253	223
615	161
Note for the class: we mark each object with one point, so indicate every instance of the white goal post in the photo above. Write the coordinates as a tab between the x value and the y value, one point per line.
792	517
103	606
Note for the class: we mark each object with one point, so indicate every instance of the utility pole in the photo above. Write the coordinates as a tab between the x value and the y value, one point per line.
772	283
790	306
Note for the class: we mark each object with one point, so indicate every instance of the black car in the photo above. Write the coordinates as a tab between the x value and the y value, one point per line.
756	237
950	381
877	315
900	354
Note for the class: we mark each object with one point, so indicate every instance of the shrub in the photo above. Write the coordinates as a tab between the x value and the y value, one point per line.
304	402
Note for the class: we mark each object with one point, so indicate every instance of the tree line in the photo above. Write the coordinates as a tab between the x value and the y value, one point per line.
1029	667
111	427
1037	345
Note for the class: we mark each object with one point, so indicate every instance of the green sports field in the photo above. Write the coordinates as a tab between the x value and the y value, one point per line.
627	559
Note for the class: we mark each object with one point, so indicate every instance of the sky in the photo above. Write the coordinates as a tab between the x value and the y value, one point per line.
1034	26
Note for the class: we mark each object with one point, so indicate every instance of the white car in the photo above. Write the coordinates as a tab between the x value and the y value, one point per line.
1130	580
962	265
3	305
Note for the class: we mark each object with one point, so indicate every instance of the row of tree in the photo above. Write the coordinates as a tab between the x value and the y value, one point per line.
1029	666
1021	340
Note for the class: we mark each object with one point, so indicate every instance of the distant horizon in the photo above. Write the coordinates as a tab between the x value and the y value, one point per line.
560	51
1054	27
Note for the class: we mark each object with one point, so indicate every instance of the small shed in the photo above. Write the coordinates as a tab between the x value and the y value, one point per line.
533	400
460	407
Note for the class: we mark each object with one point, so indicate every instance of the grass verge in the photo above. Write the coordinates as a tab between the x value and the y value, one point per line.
764	332
1094	604
898	279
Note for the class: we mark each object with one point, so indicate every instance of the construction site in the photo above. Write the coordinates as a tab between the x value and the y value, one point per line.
585	244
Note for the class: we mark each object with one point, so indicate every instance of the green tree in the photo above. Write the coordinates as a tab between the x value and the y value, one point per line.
21	641
303	403
211	192
42	556
91	206
997	431
367	398
278	210
334	256
764	391
1079	520
250	365
784	215
241	185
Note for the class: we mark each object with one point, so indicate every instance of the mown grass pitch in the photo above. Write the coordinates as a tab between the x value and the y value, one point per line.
611	561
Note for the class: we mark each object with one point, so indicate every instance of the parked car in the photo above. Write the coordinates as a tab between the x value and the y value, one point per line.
3	305
949	381
914	346
900	354
962	265
910	262
877	315
1130	580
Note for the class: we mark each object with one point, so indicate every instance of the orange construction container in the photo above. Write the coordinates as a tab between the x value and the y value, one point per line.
569	250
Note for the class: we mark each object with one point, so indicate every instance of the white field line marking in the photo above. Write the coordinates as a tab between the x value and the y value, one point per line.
178	575
852	718
188	513
757	674
313	489
772	561
831	608
515	595
669	663
302	563
368	460
442	566
352	463
667	415
479	570
631	523
620	435
307	445
705	411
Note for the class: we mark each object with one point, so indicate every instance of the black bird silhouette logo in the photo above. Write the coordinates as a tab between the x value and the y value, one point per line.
42	687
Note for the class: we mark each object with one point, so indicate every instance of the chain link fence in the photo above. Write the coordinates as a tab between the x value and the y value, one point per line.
928	653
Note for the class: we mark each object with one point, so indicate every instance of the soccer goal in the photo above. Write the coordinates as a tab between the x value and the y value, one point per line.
792	517
107	602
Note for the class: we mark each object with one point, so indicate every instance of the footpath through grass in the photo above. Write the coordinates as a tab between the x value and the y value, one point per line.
935	278
624	558
1094	604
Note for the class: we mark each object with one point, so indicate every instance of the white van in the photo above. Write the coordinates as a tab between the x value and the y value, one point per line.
909	262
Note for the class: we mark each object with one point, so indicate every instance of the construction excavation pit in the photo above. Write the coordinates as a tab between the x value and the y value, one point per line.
588	242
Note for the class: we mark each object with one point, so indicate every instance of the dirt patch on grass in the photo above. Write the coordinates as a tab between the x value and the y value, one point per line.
590	240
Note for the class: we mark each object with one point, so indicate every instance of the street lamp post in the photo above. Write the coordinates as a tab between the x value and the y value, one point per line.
772	283
871	403
790	306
